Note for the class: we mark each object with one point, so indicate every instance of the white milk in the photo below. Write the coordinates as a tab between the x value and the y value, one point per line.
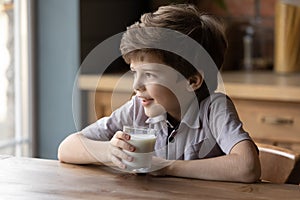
142	156
144	143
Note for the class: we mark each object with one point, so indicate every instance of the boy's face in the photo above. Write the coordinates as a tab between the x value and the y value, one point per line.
160	88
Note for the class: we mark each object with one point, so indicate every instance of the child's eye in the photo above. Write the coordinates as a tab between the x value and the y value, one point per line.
133	72
149	75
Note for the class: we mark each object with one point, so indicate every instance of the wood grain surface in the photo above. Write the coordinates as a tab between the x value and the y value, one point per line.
29	178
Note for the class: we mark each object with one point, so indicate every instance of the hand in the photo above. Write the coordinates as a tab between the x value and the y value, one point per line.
160	166
118	143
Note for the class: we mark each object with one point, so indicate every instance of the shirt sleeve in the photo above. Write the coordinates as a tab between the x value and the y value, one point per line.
225	124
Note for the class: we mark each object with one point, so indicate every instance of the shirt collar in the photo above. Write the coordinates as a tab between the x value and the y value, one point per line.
191	117
157	119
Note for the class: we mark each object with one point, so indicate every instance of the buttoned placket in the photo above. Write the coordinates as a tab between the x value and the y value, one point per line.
171	145
159	124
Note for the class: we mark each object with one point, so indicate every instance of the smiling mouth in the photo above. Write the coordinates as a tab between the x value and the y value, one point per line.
146	101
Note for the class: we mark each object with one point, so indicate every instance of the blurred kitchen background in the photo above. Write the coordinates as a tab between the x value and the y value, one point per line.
44	42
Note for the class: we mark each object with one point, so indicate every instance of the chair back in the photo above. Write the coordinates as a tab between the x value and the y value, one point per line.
278	164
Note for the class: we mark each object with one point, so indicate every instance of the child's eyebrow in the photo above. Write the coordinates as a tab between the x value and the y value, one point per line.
152	70
152	67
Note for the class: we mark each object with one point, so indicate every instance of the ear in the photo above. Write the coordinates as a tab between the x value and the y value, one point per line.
194	82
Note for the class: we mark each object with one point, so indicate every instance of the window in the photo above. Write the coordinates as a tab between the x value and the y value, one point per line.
16	79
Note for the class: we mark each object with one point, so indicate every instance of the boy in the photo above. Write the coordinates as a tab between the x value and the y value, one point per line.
200	134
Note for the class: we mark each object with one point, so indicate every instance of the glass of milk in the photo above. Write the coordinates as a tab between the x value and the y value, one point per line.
144	140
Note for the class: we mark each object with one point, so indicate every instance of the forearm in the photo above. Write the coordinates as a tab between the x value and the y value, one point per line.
236	166
78	149
222	168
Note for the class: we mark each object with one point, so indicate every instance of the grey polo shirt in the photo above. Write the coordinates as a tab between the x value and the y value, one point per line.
207	130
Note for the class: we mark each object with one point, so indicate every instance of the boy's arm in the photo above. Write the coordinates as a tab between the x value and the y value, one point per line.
73	149
78	149
240	165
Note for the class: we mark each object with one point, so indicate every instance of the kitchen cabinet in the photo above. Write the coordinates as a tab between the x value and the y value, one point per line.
267	103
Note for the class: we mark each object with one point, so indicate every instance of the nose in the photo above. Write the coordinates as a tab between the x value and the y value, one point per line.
138	83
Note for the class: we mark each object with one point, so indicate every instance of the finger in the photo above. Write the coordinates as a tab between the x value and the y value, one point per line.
122	135
122	144
118	162
116	152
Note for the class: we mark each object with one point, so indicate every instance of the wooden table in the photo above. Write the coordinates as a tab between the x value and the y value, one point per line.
29	178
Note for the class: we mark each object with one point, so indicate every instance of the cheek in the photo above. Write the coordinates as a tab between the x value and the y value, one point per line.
153	90
161	94
156	91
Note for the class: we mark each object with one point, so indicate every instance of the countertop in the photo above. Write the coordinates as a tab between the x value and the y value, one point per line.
260	85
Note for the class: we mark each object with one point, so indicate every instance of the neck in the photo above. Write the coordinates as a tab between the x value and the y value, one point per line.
173	121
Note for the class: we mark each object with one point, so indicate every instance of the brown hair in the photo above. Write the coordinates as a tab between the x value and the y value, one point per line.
184	18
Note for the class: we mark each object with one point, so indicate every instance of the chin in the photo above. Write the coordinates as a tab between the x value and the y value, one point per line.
154	110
